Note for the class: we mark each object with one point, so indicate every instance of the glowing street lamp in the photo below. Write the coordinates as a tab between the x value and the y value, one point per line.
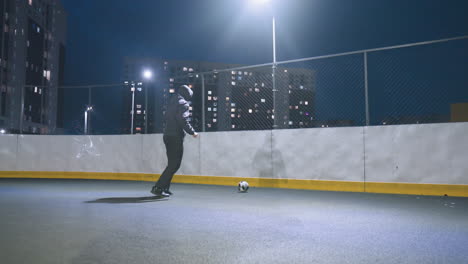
147	74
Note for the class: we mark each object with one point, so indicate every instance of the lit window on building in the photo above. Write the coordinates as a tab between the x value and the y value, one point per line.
227	98
250	89
165	63
215	109
233	72
184	68
233	83
40	91
35	89
233	115
215	98
138	128
190	69
171	91
171	79
300	102
262	100
233	104
297	107
208	125
190	108
246	73
233	126
138	106
257	90
139	89
138	112
209	98
209	92
263	84
240	73
238	116
302	86
290	122
214	120
250	110
233	110
30	2
209	109
285	70
306	103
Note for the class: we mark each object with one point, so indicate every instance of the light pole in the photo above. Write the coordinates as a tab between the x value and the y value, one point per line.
88	109
133	107
147	75
273	67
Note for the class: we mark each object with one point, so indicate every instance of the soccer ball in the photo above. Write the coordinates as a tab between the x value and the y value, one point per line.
243	186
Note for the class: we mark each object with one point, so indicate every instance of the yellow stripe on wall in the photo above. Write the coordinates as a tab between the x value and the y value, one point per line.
343	186
417	188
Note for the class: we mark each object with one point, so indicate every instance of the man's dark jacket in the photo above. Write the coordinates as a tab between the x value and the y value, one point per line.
177	113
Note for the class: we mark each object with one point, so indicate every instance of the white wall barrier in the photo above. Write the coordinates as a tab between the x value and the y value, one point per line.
429	153
432	154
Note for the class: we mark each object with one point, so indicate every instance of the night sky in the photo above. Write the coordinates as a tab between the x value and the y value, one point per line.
102	32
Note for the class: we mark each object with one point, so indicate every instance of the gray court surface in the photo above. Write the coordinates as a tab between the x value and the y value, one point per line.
87	221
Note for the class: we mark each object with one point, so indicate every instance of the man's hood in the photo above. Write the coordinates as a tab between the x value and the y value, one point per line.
185	92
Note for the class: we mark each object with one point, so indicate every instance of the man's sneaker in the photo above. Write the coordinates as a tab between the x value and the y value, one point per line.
159	192
168	192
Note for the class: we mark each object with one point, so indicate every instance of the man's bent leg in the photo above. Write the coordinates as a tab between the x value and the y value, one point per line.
174	149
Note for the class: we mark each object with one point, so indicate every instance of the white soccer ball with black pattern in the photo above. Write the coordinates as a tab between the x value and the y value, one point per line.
243	186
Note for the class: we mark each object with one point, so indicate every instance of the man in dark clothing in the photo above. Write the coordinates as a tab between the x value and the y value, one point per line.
177	121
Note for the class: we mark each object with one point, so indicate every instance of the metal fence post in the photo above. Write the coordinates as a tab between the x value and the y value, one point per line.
366	89
22	110
203	102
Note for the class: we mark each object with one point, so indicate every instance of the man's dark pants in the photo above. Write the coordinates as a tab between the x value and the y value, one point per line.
174	152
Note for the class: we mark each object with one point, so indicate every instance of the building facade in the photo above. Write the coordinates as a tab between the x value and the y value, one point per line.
32	54
232	100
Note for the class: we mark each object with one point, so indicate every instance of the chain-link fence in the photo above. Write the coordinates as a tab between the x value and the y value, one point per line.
407	84
418	84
